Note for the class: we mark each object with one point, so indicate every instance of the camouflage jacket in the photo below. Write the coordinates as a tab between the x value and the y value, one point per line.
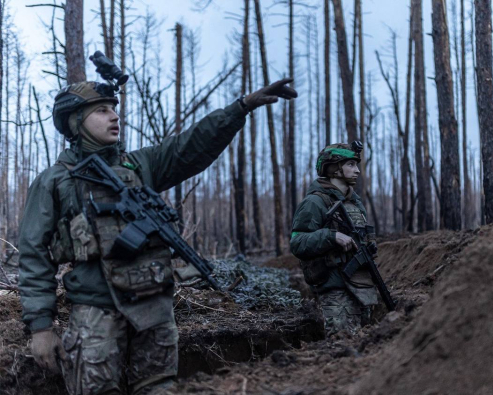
53	195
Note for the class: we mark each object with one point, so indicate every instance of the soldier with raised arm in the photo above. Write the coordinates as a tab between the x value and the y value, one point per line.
114	344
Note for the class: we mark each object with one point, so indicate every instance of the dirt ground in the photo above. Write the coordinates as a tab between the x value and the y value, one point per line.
437	342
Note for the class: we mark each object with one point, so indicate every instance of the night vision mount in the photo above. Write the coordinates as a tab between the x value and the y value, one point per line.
107	69
357	146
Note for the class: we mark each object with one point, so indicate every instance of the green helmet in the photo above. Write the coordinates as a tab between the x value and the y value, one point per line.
337	154
74	97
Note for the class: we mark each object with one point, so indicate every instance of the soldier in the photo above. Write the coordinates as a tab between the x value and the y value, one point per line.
323	248
112	345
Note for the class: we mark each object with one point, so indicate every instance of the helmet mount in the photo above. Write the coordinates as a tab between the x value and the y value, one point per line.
73	97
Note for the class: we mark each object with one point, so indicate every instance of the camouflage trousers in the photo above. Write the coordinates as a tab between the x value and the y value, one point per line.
342	311
107	355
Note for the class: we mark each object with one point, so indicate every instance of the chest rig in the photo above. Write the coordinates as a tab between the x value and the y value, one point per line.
317	271
137	284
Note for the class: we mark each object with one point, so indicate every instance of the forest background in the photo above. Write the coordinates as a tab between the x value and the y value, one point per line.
400	75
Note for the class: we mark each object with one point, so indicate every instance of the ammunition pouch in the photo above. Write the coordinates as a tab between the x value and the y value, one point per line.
74	241
147	275
317	271
61	248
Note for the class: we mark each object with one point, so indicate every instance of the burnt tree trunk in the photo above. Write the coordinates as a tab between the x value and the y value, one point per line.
179	69
291	114
240	179
485	98
468	217
450	212
253	159
123	95
104	27
425	209
74	41
362	106
272	136
111	35
3	158
345	70
405	170
327	70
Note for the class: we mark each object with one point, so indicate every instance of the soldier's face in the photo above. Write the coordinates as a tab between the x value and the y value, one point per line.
351	171
103	124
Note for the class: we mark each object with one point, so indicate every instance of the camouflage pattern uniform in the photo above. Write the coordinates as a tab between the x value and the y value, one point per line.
114	346
346	304
98	342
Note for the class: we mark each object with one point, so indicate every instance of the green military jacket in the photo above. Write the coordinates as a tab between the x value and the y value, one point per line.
311	239
53	195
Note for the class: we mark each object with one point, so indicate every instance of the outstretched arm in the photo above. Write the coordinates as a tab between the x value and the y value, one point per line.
189	153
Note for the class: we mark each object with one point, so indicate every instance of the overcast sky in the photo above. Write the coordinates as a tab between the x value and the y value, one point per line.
216	25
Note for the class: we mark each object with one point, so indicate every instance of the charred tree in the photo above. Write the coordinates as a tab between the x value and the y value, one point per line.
240	178
362	104
272	135
291	115
345	70
253	159
422	156
327	71
123	94
450	212
468	223
406	167
178	82
74	41
484	75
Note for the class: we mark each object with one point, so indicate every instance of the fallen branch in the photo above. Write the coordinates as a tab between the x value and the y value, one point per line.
235	283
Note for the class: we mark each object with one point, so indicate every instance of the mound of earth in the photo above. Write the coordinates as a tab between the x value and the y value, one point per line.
447	350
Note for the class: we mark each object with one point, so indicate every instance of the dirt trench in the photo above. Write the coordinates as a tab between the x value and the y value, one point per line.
279	349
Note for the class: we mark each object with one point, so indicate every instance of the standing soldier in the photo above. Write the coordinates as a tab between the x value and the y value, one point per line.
114	344
322	246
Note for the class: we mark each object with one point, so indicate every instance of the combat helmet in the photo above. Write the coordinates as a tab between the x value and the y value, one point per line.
337	154
73	97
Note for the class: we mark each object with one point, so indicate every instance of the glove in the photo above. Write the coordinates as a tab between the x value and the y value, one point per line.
45	347
270	94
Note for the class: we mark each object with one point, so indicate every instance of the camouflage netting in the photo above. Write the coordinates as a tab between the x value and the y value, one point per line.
261	288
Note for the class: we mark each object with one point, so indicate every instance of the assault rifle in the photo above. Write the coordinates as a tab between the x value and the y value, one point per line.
364	254
144	212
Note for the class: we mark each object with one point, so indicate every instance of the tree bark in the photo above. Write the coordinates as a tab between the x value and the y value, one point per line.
123	94
111	35
240	180
327	71
74	41
272	136
362	105
104	27
425	209
346	74
467	181
178	82
292	120
485	98
450	212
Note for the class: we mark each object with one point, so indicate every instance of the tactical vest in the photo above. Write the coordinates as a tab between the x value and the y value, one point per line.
135	284
317	271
